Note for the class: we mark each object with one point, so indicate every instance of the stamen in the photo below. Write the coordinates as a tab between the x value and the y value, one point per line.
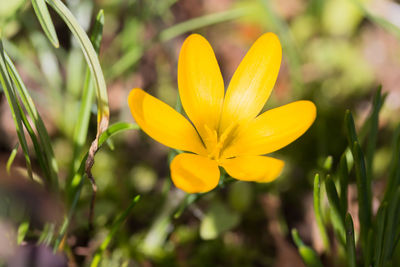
215	143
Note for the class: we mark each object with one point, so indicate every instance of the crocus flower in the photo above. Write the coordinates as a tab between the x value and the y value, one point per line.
225	129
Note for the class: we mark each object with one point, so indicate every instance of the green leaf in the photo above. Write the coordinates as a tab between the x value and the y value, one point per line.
115	129
47	234
373	130
11	158
9	92
36	145
369	248
350	241
91	57
82	123
111	131
201	22
380	230
336	214
364	193
44	18
394	170
344	182
114	228
350	129
22	230
318	212
49	163
393	220
308	255
328	163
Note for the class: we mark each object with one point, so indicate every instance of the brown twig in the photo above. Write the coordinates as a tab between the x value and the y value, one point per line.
88	169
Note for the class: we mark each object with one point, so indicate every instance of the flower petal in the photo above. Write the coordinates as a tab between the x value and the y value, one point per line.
253	168
252	82
163	123
193	173
273	129
200	83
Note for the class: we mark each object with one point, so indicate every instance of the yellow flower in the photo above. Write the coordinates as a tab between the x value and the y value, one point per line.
224	129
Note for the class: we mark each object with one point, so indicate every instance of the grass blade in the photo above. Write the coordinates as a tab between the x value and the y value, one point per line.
36	146
202	21
114	228
22	230
111	131
50	163
336	215
44	18
350	129
92	59
394	171
373	130
380	230
344	182
393	217
308	255
363	182
82	123
364	193
8	88
350	241
318	212
11	158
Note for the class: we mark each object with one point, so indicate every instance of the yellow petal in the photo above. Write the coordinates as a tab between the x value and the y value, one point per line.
193	173
200	83
253	168
163	123
252	82
273	130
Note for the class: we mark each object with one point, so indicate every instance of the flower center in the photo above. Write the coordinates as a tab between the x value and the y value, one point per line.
215	143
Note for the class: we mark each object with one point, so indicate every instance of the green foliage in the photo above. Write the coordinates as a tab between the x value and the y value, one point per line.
51	79
379	234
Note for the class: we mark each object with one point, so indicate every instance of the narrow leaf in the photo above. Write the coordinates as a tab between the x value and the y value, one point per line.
6	82
44	18
393	218
114	228
336	215
82	123
373	130
350	242
22	230
308	255
380	230
203	21
91	57
318	212
394	170
50	163
11	158
364	193
111	131
350	129
344	182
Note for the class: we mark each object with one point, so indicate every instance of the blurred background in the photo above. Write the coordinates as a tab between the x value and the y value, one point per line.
335	53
